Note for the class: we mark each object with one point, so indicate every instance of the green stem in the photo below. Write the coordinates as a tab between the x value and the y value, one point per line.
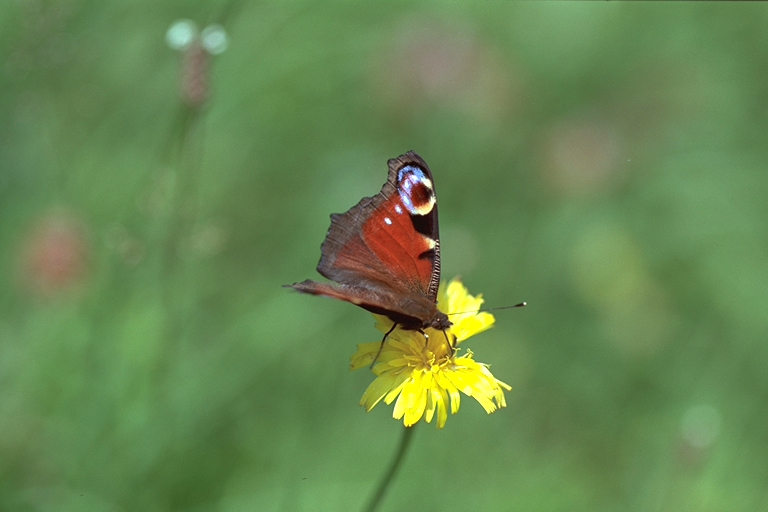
389	476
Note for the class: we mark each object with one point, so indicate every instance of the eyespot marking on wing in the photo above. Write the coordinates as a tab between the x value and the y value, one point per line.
416	191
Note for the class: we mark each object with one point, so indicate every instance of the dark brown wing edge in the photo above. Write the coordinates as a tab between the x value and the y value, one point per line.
379	302
342	232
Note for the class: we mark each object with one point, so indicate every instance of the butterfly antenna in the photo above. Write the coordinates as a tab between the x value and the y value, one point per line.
520	305
381	346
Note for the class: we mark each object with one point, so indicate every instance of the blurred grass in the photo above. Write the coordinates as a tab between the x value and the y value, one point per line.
604	162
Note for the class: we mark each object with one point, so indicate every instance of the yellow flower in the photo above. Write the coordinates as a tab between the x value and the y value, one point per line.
425	375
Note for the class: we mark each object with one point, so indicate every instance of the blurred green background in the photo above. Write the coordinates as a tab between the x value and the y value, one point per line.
606	162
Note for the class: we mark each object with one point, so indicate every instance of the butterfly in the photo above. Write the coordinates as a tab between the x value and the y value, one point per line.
384	253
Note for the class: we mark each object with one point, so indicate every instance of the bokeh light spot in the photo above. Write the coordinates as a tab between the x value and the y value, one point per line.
700	425
214	39
181	34
610	274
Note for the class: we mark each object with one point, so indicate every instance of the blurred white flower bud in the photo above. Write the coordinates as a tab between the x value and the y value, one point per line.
214	39
181	34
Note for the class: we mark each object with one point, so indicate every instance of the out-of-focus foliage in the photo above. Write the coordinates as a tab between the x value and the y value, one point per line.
606	162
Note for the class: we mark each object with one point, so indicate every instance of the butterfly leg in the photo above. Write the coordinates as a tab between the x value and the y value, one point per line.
381	347
426	337
451	348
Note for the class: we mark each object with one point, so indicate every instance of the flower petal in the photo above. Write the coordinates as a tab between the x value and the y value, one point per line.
421	371
364	355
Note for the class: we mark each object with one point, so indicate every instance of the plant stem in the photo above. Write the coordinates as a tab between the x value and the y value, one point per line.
389	476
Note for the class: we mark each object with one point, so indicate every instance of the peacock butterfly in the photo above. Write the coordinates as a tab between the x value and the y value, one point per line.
384	253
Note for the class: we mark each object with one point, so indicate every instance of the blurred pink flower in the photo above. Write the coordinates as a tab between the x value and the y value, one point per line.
582	157
194	75
54	254
428	65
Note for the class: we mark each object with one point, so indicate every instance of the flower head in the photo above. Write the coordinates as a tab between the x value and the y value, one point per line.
425	374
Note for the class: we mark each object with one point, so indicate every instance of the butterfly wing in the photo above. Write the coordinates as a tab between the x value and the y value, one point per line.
384	252
413	313
389	238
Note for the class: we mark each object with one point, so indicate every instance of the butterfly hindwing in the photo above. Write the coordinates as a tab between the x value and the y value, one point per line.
384	253
392	237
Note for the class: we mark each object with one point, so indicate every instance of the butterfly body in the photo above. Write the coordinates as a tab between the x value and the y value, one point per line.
384	253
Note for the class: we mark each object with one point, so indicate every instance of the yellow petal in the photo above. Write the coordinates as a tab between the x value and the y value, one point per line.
431	405
378	389
452	391
422	374
364	355
441	397
401	379
475	324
